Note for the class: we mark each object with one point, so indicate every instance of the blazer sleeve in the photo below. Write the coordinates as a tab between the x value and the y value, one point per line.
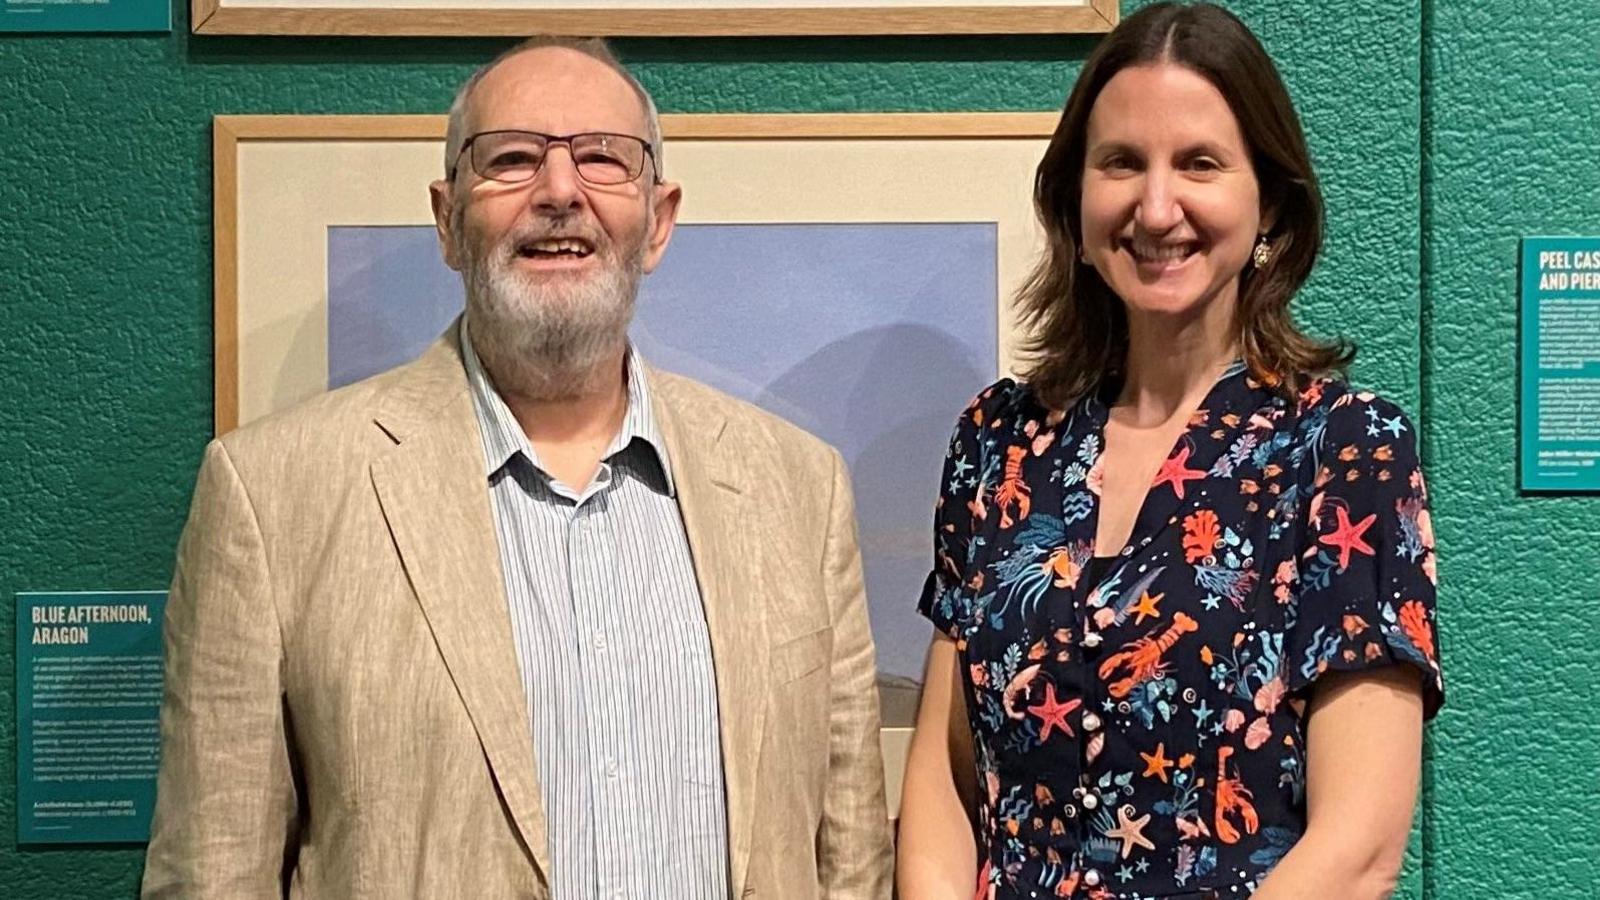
854	856
225	813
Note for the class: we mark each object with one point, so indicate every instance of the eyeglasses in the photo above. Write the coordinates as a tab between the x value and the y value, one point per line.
512	157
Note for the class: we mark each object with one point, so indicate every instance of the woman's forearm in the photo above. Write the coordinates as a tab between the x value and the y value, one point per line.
1363	766
1348	866
936	856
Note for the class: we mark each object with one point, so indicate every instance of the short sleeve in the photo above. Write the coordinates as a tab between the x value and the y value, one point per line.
942	598
1366	569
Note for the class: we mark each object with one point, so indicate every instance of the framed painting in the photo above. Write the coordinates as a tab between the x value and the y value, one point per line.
852	273
618	18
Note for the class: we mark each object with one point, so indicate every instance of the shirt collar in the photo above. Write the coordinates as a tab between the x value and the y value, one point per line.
503	437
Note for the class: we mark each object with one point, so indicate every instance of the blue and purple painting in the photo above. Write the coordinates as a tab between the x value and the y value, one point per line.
871	336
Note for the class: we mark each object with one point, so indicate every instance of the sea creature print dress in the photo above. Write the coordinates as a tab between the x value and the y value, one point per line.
1139	732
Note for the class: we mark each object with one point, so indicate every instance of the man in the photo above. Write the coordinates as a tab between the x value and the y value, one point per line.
525	617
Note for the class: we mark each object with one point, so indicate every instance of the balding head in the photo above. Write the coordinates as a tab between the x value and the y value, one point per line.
581	53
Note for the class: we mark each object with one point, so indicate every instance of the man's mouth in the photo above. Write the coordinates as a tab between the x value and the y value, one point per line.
555	248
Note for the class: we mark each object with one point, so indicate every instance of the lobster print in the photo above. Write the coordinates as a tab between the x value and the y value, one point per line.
1232	797
1013	491
1143	659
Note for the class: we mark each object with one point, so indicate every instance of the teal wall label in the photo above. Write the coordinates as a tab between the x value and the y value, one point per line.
85	15
88	701
1561	364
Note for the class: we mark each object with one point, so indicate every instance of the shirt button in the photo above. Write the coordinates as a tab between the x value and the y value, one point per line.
600	640
1091	722
1091	877
611	768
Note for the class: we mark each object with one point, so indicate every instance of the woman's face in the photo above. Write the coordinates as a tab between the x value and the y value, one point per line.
1171	208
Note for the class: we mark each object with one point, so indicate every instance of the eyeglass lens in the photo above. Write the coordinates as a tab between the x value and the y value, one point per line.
513	156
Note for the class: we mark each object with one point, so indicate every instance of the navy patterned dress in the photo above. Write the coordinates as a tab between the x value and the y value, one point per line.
1140	733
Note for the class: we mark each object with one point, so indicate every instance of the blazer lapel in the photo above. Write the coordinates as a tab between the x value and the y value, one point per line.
711	495
435	498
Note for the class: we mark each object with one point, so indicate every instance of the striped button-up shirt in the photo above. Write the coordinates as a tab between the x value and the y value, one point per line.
615	656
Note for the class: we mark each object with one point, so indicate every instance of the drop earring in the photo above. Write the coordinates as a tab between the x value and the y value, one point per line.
1263	253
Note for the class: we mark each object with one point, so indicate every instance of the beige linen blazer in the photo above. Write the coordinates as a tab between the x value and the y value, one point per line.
344	714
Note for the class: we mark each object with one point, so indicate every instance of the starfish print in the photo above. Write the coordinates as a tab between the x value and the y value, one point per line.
1394	426
1125	874
1146	607
1372	430
1372	414
1053	714
1130	831
1173	472
1348	537
1156	763
962	466
1211	602
1201	713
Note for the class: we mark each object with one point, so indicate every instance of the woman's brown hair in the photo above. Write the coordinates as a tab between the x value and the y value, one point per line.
1078	326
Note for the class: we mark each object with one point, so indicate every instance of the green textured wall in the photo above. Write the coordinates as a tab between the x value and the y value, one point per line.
105	353
1513	149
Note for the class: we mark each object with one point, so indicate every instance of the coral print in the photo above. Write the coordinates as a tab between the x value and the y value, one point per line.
1139	721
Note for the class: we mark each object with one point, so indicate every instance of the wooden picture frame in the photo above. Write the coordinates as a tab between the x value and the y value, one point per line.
281	182
620	18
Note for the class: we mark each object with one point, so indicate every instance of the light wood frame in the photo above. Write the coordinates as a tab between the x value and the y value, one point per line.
219	17
230	132
233	134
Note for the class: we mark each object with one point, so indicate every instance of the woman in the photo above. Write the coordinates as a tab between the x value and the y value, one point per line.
1183	587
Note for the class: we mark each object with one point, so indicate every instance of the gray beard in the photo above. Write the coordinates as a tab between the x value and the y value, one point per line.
549	340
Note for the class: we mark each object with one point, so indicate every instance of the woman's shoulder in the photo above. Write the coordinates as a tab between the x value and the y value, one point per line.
1007	402
1352	414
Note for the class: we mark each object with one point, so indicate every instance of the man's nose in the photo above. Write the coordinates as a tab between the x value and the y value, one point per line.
557	187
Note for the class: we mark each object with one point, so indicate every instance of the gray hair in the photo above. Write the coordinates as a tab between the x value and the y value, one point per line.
594	48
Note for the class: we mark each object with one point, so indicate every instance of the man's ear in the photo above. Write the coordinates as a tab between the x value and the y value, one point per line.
442	198
664	200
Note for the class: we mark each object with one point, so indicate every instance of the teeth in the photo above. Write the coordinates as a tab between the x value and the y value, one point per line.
1161	252
560	245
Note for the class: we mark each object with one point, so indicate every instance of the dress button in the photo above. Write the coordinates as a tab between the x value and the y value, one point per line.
1091	722
1090	801
1091	878
1091	639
